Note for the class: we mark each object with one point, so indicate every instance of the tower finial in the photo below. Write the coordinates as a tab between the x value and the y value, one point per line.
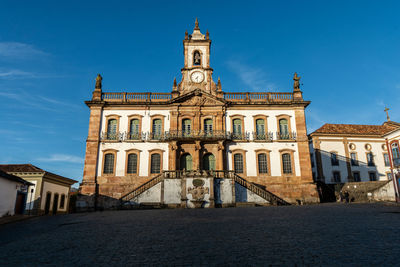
207	35
175	82
387	113
196	25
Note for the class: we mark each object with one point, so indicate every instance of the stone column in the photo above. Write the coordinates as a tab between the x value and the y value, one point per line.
220	158
196	156
172	155
88	185
303	147
348	163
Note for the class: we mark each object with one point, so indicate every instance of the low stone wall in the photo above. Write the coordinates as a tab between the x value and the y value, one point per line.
370	191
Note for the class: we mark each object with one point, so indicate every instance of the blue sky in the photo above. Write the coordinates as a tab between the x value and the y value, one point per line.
347	53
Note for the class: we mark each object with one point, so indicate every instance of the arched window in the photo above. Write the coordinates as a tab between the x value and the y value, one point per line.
284	129
112	129
155	163
157	128
237	128
286	163
132	163
186	162
196	58
262	163
260	129
186	127
134	129
238	163
108	163
395	151
208	126
208	162
62	201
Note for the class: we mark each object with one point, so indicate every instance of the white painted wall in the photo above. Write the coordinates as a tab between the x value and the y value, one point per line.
8	196
172	191
272	124
330	144
152	195
30	199
251	159
124	121
55	188
122	147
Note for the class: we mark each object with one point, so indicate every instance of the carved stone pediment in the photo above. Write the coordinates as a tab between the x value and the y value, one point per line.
198	98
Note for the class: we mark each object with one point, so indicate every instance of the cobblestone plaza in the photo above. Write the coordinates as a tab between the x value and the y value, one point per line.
327	234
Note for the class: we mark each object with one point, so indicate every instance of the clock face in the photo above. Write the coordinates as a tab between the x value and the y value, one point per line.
197	77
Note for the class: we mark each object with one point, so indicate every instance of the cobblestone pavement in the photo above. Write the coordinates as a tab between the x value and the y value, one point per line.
327	234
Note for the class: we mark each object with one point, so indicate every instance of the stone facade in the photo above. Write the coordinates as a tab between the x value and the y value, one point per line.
262	137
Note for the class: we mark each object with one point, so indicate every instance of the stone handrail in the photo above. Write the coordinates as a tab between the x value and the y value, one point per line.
142	188
136	97
259	97
272	198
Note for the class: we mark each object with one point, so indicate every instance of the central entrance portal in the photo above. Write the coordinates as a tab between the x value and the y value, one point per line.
186	162
208	162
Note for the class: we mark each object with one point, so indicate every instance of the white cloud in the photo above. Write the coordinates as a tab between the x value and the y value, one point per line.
15	74
19	50
63	158
255	78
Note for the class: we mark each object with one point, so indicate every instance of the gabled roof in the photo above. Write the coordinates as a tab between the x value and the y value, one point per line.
21	168
13	178
356	129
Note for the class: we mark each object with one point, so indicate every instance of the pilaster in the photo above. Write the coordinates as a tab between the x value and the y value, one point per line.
88	185
303	147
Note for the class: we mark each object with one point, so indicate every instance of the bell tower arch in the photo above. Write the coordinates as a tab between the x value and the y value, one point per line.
196	73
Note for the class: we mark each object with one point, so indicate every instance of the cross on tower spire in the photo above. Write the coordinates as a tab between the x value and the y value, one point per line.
387	113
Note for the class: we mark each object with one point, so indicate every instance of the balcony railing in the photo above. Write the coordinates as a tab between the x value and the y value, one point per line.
135	97
263	136
194	135
134	136
245	136
115	136
259	97
286	136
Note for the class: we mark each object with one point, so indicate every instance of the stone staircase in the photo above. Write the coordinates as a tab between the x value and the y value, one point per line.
270	197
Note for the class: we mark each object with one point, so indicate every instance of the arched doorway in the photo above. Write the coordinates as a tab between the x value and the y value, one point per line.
47	204
186	162
55	204
208	162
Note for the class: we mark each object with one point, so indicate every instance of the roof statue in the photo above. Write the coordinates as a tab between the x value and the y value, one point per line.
98	81
296	79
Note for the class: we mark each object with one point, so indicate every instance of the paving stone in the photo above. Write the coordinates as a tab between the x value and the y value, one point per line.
327	234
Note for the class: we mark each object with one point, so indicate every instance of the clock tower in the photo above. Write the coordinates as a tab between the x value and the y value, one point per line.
196	73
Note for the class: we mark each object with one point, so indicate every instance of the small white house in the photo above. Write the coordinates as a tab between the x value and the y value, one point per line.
13	191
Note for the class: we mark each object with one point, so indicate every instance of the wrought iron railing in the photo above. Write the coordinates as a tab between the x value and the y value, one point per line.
194	135
243	136
268	136
135	136
286	135
112	136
